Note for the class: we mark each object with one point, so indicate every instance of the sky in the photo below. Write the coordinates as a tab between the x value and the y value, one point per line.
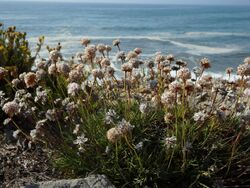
209	2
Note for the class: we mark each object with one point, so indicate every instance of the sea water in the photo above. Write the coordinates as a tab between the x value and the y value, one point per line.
190	32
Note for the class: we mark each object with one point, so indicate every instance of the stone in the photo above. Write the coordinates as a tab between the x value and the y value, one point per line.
93	181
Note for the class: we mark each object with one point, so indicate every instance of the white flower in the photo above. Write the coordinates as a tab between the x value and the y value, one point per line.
170	142
52	69
11	108
144	108
73	89
77	129
125	127
199	116
16	133
110	116
139	146
80	141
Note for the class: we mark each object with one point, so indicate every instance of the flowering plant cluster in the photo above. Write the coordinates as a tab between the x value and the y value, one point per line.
152	123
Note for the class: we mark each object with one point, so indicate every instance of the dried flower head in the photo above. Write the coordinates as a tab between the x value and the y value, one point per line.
113	135
229	70
205	63
116	42
138	51
85	42
184	74
101	48
30	79
55	55
170	57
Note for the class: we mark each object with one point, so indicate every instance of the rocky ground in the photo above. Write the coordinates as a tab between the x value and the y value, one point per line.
21	166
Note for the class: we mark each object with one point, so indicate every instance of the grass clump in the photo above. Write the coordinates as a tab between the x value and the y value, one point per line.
152	123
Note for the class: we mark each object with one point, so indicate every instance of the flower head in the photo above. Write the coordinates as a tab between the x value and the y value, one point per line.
11	108
30	79
73	89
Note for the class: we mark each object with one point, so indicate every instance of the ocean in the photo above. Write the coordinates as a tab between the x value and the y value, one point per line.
190	32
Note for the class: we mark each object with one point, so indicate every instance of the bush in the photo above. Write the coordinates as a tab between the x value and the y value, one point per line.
153	127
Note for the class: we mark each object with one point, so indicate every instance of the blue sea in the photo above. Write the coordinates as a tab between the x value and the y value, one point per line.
221	33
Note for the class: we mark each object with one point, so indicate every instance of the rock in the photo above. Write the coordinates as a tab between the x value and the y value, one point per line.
93	181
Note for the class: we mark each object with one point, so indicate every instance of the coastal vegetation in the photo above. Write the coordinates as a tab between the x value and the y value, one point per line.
154	122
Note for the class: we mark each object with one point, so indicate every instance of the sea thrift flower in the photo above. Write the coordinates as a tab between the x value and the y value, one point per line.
52	115
243	70
52	69
247	60
229	70
105	62
144	108
80	141
117	43
73	89
127	67
30	79
77	129
40	74
181	63
139	146
41	65
63	68
110	71
85	42
167	98
11	108
16	134
101	48
75	75
15	82
54	55
2	72
159	58
170	142
110	116
90	52
184	74
205	63
131	55
199	116
175	86
125	127
41	95
170	57
108	48
168	118
138	51
21	76
121	56
113	135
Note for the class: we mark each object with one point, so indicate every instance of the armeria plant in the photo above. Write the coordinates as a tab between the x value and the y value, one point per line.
152	123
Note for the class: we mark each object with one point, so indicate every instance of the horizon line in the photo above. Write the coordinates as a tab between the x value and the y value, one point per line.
119	3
